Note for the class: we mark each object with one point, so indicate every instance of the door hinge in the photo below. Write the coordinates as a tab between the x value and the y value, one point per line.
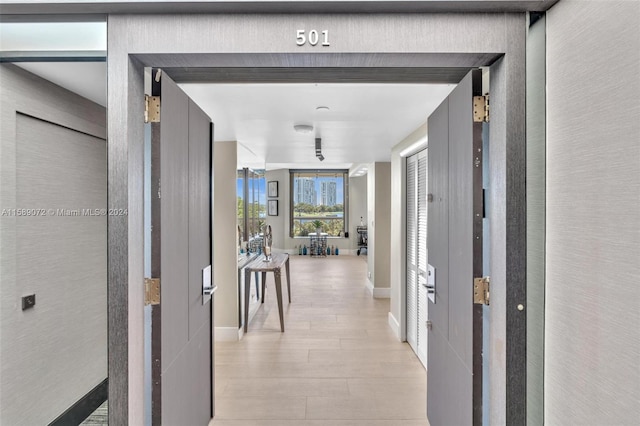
481	291
151	109
152	291
481	109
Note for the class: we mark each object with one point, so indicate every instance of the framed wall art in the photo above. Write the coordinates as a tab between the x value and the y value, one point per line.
272	207
272	189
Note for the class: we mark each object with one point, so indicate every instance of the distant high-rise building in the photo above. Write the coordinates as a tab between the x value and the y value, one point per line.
328	193
305	191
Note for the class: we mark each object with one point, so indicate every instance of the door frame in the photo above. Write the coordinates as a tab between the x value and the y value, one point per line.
410	42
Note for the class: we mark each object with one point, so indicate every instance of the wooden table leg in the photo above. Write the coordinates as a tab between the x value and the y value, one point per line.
247	286
257	287
276	275
264	283
286	266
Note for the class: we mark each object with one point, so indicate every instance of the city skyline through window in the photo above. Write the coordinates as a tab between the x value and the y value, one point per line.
318	200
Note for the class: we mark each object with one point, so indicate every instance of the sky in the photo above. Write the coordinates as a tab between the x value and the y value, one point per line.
339	188
262	188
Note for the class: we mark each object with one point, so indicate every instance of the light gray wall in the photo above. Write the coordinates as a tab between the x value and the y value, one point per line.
52	156
398	229
225	231
592	338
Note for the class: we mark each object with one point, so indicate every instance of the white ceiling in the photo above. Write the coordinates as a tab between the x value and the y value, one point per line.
88	79
363	123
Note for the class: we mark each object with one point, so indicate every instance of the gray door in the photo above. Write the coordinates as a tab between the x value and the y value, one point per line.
181	335
454	378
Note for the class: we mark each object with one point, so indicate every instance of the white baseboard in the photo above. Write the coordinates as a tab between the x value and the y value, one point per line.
378	293
382	293
228	334
395	325
291	252
370	287
348	252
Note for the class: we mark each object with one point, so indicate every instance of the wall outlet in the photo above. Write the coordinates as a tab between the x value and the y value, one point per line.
28	302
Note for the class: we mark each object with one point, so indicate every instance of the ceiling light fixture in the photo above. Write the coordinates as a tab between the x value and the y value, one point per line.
319	149
322	108
414	147
303	128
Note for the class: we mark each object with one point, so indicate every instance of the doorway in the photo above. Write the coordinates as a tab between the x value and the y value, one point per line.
390	55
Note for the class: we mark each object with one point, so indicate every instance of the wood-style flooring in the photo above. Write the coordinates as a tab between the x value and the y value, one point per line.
337	363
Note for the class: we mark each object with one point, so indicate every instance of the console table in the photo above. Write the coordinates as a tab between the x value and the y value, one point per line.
278	260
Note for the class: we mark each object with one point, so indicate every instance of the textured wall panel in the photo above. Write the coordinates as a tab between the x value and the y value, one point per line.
592	339
57	350
318	6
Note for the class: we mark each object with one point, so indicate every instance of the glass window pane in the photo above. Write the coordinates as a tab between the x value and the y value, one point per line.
318	200
43	36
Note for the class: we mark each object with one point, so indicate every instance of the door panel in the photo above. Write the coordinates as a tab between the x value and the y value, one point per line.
412	302
454	390
199	213
438	213
182	346
460	219
421	201
174	212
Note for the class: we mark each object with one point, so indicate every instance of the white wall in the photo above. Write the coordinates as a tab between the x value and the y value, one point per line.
371	221
592	333
397	242
280	224
357	207
382	226
225	252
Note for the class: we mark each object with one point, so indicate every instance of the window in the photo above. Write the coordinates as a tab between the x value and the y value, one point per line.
252	202
318	199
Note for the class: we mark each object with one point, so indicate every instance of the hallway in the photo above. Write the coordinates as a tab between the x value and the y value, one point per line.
337	363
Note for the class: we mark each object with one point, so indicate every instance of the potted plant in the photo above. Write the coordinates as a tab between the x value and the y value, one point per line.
318	225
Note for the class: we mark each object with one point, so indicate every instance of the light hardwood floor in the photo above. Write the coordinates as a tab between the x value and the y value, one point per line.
337	363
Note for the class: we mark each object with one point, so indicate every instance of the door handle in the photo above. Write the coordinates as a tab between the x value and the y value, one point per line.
431	289
208	291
